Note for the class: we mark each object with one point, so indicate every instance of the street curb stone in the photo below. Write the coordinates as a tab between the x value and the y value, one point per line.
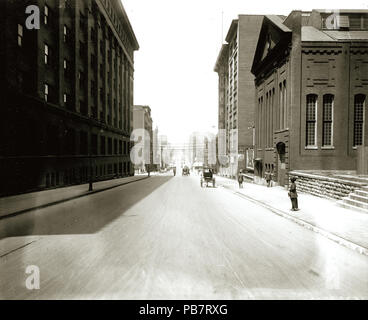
341	241
50	204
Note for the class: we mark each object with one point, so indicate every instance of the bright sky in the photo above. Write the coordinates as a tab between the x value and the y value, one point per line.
179	44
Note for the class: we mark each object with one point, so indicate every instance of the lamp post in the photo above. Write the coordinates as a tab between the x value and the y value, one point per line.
90	188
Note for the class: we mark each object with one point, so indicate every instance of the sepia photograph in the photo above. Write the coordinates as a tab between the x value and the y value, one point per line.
170	150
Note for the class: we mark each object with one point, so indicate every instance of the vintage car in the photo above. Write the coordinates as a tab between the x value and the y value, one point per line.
207	177
185	171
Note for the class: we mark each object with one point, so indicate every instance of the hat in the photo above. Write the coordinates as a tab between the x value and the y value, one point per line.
293	179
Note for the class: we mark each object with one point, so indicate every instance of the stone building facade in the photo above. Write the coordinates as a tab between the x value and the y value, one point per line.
311	90
67	93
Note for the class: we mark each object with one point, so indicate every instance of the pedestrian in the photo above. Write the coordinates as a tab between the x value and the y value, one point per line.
240	179
268	177
293	195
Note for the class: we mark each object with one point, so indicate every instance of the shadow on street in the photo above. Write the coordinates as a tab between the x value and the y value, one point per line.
86	215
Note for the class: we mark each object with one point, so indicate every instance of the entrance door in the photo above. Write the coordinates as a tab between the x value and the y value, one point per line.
281	165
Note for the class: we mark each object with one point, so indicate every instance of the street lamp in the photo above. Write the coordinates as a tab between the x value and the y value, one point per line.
90	188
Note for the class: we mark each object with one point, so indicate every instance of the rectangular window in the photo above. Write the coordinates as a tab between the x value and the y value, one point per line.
65	33
65	98
46	14
94	144
46	92
359	101
115	146
20	35
65	64
311	120
83	142
103	146
46	54
327	120
109	146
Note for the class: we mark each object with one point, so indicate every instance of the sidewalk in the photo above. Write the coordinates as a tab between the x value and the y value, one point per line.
14	205
347	227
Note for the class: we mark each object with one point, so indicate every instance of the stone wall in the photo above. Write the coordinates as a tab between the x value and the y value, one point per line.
323	186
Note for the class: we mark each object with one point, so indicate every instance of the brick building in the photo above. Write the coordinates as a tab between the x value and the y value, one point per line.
67	92
142	119
236	90
311	74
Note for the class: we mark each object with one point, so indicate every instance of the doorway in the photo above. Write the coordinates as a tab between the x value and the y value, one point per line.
281	164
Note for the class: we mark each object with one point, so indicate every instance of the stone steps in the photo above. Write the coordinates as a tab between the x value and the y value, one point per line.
345	205
357	200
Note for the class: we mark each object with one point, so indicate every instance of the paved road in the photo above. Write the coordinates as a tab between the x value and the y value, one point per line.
166	238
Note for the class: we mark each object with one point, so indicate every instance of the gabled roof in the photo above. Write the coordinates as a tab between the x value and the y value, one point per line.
278	21
274	35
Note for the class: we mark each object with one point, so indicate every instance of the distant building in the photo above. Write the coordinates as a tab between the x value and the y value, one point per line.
237	91
67	94
156	150
311	74
142	119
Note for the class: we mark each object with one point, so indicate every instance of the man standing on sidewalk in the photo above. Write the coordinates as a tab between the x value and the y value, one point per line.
240	179
293	195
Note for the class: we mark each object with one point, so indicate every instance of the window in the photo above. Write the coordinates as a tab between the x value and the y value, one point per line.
46	54
81	79
109	146
65	98
94	144
311	120
65	33
20	35
327	129
81	49
83	142
359	102
115	146
103	146
65	64
46	92
46	14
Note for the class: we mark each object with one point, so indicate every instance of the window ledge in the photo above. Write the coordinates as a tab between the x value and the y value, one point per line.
328	148
311	148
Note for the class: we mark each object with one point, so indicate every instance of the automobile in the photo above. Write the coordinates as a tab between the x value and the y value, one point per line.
185	171
207	178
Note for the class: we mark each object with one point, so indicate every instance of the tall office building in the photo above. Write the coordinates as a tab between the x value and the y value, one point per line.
67	93
237	91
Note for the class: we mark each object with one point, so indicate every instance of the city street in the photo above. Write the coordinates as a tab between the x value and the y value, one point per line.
167	238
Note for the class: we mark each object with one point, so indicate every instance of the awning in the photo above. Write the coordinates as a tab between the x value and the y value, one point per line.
257	160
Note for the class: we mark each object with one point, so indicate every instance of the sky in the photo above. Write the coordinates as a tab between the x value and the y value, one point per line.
179	44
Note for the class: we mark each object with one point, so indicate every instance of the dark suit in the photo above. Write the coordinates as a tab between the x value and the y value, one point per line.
293	196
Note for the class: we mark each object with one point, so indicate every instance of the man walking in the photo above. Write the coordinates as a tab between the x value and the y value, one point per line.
240	179
268	177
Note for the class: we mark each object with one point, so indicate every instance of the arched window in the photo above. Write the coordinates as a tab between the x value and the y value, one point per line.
327	129
311	120
359	103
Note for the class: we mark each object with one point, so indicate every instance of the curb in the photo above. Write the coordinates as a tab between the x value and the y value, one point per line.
50	204
331	236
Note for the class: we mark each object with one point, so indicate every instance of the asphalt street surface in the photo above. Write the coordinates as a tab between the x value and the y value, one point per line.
167	238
